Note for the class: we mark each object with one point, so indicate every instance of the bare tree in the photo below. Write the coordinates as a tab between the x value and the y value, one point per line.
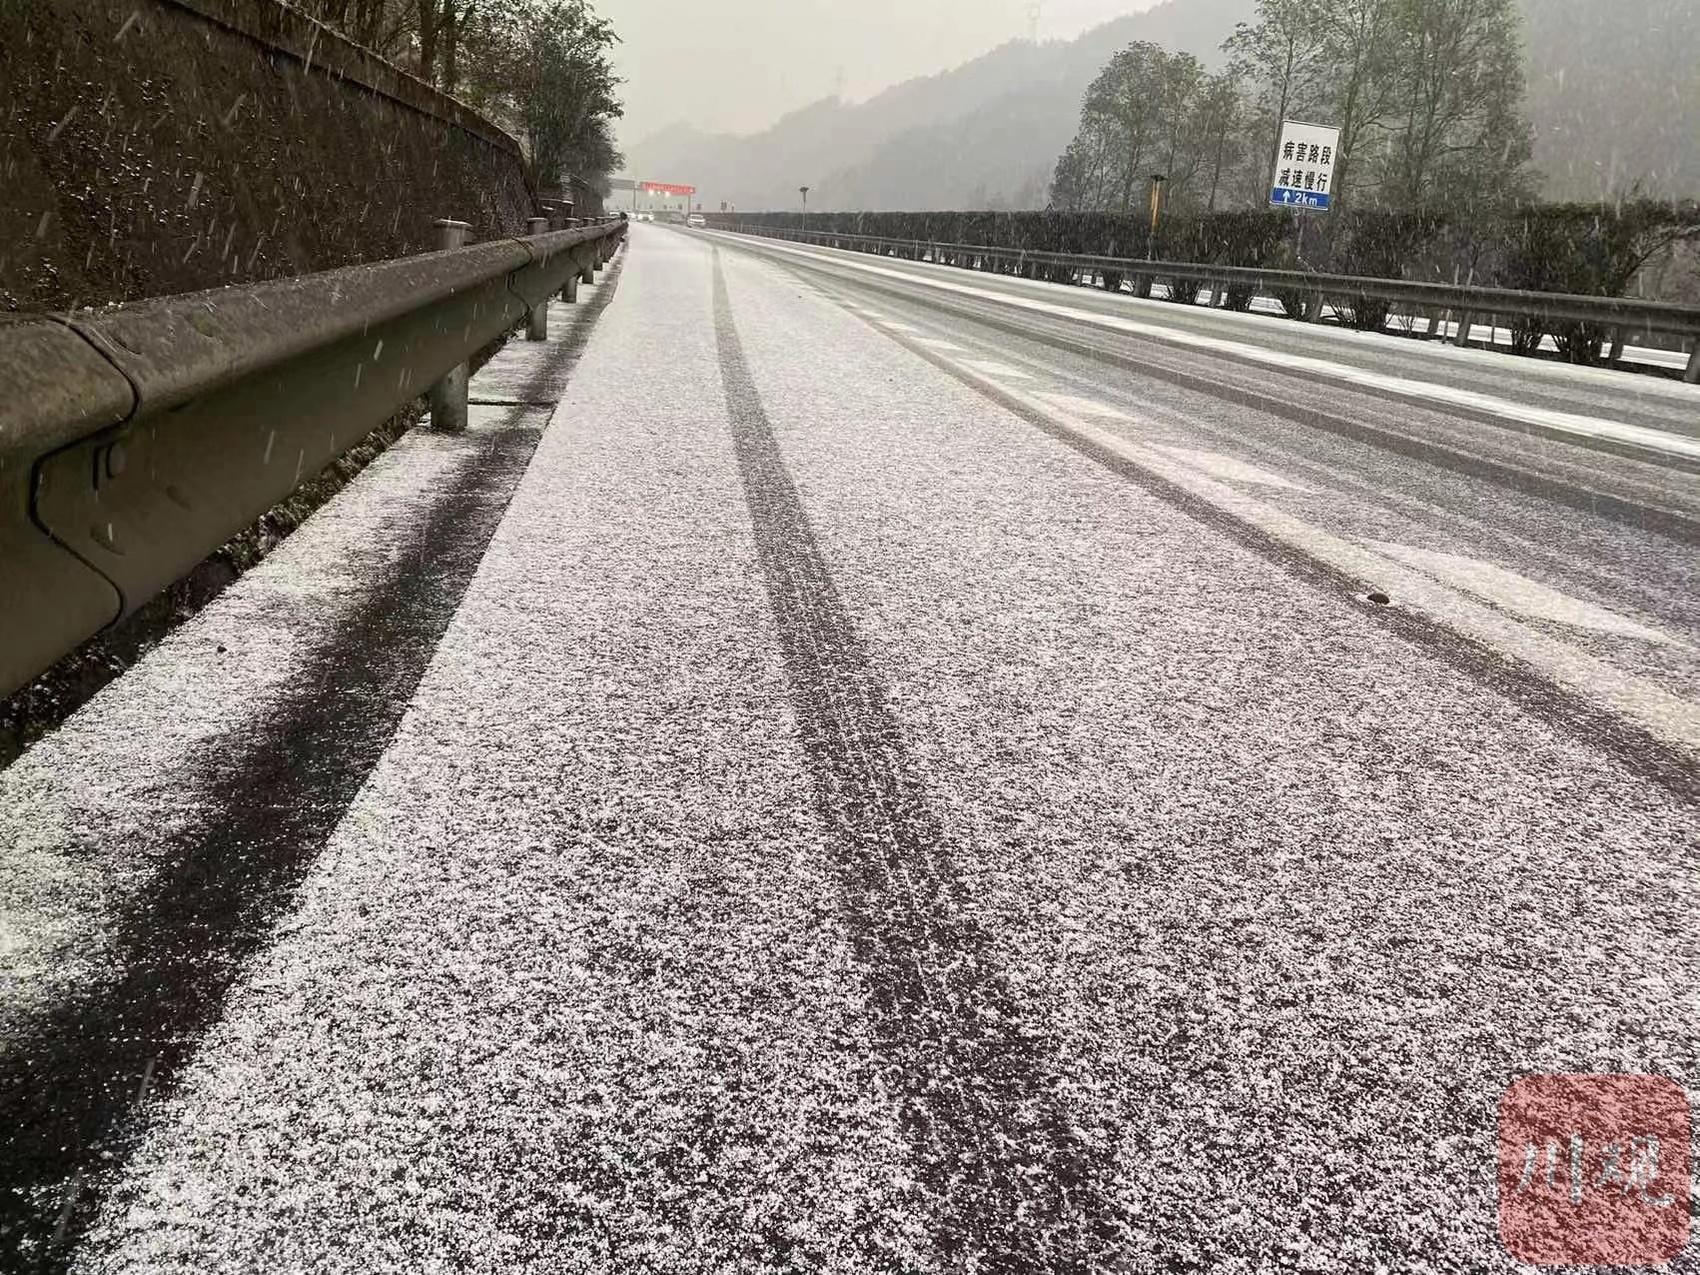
1460	121
1220	116
387	27
1358	78
1279	55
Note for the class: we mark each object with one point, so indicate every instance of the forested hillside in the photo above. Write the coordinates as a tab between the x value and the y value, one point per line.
1613	98
1614	95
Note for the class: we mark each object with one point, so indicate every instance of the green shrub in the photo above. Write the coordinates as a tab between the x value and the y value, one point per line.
1587	250
1592	250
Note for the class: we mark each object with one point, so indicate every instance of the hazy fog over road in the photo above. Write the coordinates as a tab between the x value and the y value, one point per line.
1089	664
737	66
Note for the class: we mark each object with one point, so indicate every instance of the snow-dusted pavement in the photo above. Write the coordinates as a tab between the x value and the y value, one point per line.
895	795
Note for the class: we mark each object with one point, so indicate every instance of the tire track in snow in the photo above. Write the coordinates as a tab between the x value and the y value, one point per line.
73	1085
1016	1185
74	1082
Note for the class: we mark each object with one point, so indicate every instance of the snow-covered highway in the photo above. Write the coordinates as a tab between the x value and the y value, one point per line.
916	772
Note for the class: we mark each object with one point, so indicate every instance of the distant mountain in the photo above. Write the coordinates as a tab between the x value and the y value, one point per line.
987	133
1612	100
1614	95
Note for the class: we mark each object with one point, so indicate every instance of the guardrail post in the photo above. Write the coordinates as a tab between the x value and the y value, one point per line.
1466	321
537	318
1692	373
587	265
1313	312
451	233
448	396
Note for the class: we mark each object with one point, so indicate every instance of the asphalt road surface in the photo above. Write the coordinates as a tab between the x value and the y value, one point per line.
909	771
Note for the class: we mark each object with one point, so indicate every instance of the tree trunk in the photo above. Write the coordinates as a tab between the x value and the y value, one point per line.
1216	170
1281	112
427	40
362	28
451	43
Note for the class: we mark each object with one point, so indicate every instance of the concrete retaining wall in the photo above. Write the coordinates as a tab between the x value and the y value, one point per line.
150	147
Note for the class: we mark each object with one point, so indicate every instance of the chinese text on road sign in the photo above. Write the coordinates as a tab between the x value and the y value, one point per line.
1304	166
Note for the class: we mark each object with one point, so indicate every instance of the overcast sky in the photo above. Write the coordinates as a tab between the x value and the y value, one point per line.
738	65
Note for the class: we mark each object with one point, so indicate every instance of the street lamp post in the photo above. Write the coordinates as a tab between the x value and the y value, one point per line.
804	191
1157	180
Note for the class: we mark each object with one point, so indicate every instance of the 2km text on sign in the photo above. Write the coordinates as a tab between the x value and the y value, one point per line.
1304	166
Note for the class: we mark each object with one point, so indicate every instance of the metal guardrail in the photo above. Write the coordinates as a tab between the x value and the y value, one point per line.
1622	316
135	441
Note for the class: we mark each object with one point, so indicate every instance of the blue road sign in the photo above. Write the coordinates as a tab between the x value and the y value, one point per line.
1287	197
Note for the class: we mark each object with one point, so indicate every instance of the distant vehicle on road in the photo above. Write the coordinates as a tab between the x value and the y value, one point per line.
643	216
696	219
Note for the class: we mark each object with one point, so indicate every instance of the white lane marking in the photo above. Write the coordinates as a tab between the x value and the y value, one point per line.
1003	371
1663	714
895	326
1217	464
1346	336
938	343
1548	418
1227	467
1514	592
1085	406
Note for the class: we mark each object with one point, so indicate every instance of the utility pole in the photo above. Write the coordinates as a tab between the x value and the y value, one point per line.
804	191
1035	11
1157	180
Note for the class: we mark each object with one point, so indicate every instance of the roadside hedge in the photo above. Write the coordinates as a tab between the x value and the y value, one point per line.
1586	249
